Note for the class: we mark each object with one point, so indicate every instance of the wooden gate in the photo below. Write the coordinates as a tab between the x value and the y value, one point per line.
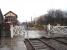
17	30
57	31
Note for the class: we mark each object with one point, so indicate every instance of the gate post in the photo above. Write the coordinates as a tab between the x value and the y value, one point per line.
11	31
48	29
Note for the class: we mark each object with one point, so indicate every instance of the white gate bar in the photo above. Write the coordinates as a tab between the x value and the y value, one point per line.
11	30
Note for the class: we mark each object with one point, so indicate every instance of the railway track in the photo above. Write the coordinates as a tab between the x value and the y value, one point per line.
28	45
58	45
62	40
48	44
37	44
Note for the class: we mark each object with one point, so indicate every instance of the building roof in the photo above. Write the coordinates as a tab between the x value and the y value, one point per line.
10	13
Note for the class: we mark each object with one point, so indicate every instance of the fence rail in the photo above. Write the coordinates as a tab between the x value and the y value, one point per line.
16	30
57	31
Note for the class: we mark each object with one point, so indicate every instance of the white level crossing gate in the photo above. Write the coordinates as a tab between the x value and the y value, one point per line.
17	30
57	31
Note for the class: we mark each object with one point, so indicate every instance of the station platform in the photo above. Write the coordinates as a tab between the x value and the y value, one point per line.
16	43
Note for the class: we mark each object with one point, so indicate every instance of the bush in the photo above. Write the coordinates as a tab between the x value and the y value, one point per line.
39	27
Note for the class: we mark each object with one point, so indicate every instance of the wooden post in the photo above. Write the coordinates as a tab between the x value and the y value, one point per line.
48	29
11	31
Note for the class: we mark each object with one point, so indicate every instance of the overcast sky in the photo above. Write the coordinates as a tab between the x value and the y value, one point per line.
25	9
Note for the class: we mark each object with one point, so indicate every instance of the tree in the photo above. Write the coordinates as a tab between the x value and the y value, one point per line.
53	17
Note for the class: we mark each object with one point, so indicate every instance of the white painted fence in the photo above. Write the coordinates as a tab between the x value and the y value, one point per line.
17	30
57	31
